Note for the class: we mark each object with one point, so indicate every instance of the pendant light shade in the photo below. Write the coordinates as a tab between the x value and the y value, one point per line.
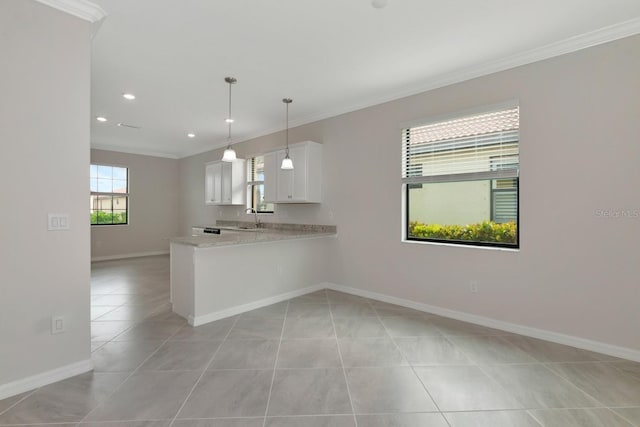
229	153
287	163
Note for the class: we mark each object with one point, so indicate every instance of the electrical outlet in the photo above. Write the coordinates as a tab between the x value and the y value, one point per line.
57	325
473	286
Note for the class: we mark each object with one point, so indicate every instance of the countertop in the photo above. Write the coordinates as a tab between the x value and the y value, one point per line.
235	237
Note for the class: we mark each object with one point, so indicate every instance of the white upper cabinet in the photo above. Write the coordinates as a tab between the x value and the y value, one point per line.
213	183
303	184
225	183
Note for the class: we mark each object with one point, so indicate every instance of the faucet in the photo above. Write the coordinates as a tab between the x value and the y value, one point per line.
255	213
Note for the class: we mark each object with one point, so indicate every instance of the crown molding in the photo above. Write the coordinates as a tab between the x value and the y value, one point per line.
82	9
129	150
570	45
563	47
200	149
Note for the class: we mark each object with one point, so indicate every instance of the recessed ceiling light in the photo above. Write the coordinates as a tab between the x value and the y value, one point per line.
129	96
191	135
101	119
228	120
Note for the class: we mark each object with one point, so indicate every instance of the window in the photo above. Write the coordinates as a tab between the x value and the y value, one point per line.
255	182
109	195
461	179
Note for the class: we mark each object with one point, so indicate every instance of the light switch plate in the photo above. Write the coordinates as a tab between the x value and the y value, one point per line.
58	222
57	325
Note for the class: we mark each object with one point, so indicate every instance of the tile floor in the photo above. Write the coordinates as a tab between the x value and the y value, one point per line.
322	360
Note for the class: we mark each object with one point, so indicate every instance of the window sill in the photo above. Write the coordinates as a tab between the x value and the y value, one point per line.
454	245
109	225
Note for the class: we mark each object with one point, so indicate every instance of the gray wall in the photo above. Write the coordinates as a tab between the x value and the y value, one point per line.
576	272
44	132
153	207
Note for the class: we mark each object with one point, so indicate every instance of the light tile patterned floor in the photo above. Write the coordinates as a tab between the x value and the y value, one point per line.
322	360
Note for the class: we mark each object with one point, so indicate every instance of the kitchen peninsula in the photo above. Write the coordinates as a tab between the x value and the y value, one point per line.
219	275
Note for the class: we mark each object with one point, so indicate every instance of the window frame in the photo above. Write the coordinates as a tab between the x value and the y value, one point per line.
251	183
407	186
127	196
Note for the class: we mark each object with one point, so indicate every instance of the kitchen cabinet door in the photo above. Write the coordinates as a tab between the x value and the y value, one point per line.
303	183
213	183
225	183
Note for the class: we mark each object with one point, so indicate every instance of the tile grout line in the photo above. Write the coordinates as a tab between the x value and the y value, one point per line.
528	412
567	380
275	365
130	375
482	367
490	377
525	407
410	364
623	417
344	371
28	394
97	319
204	371
134	323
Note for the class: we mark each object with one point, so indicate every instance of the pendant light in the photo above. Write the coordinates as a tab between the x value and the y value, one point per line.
229	153
287	163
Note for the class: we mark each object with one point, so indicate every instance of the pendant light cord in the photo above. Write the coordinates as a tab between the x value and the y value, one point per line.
231	81
229	116
287	131
287	101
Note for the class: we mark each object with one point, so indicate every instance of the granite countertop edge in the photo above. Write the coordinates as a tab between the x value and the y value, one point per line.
247	238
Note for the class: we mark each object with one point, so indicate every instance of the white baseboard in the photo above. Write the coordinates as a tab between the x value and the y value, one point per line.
45	378
125	256
583	343
243	308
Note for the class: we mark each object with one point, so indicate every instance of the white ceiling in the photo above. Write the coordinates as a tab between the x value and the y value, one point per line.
330	56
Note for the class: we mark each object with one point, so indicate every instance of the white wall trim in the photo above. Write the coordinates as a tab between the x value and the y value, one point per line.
82	9
583	343
243	308
45	378
125	256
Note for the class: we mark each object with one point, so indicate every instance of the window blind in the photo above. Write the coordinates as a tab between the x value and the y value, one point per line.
256	166
505	206
467	148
